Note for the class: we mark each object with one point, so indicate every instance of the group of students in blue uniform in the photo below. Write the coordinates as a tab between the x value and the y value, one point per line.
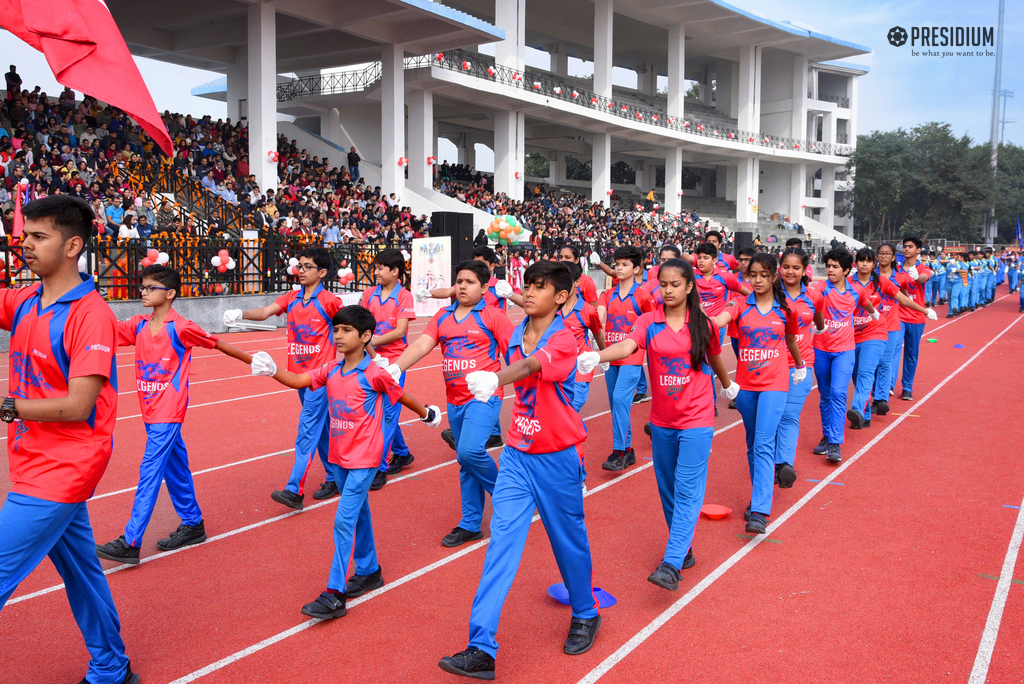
348	364
968	280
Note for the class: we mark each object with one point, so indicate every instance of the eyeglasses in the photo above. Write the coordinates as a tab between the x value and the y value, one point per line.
307	267
146	289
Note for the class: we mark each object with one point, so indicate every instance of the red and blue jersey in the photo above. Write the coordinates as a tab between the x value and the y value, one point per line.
491	297
763	364
162	363
804	307
915	291
714	290
388	311
587	289
727	262
622	314
682	396
580	321
310	333
355	402
865	328
466	346
889	306
543	420
838	313
74	337
653	286
736	297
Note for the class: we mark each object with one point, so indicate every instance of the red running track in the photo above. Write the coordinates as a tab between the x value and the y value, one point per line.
887	571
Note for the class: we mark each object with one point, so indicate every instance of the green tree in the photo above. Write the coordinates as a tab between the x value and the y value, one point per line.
537	165
1009	191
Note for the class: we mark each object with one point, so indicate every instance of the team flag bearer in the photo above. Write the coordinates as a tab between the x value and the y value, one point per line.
357	394
682	348
541	468
60	417
163	344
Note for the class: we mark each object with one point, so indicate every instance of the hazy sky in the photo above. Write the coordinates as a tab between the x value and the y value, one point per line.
900	90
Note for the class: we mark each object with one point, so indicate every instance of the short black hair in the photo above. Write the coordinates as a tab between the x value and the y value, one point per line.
391	258
572	248
72	217
670	248
840	256
794	242
746	251
358	317
477	268
913	238
165	275
707	248
486	252
554	272
629	253
320	256
575	270
713	233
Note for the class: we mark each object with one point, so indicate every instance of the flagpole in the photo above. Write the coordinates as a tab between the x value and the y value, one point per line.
993	225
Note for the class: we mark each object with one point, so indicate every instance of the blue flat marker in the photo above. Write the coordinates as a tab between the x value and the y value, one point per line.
839	484
1011	506
958	346
561	594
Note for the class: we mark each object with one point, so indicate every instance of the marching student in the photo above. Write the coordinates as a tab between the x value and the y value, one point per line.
619	307
392	307
889	361
806	305
956	272
834	350
912	321
467	331
587	288
581	318
541	468
653	285
308	312
767	328
743	257
358	392
870	334
682	348
644	278
60	416
163	343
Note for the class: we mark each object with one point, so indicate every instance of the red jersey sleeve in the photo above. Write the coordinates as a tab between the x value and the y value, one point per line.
284	300
639	332
382	382
331	302
867	298
887	287
406	307
732	281
364	300
504	337
731	261
557	357
732	307
645	300
431	330
91	341
816	299
8	305
591	318
589	289
498	321
192	334
126	331
715	343
319	376
792	323
604	298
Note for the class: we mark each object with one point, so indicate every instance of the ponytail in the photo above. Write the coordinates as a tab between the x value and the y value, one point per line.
697	320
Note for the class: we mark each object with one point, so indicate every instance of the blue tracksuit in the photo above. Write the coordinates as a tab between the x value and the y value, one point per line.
622	382
681	470
867	357
394	441
165	460
888	364
762	412
833	371
471	426
352	525
313	436
789	425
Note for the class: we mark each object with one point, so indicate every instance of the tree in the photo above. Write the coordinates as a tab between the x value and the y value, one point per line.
537	165
577	170
1009	191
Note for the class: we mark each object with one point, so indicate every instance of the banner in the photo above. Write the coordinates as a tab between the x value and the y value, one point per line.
431	269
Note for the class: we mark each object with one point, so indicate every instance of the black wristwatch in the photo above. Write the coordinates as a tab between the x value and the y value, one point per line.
8	413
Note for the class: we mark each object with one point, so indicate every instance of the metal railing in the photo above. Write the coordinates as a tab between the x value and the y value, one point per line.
340	82
839	100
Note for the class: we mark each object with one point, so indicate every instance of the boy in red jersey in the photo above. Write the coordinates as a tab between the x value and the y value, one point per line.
587	289
163	344
309	311
468	332
358	393
60	415
911	321
541	468
392	307
581	318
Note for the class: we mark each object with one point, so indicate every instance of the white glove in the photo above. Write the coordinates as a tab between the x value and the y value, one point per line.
799	374
595	259
232	317
422	295
818	331
503	289
395	371
932	316
912	272
876	315
732	391
604	366
263	365
587	362
482	384
381	362
433	418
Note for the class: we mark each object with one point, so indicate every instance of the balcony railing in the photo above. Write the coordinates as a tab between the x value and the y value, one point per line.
842	138
839	100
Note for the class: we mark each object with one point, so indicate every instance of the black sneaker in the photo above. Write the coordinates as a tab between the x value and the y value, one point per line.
379	480
855	418
746	513
776	474
400	463
867	424
950	314
881	407
647	429
287	498
787	476
757	524
459	536
834	455
472	663
639	398
614	462
581	635
907	395
822	447
129	676
185	535
119	550
449	438
629	457
327	606
357	585
716	412
326	491
1020	310
666	577
689	561
732	405
493	442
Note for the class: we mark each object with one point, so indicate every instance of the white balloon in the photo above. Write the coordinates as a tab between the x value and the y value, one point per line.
296	286
215	261
293	262
341	272
82	264
163	258
231	263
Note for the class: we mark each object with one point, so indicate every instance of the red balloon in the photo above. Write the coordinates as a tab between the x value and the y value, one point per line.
147	262
219	289
223	254
152	255
222	268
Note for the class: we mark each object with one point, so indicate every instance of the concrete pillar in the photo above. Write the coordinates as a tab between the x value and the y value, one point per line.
828	128
601	173
851	127
330	125
559	60
676	69
798	125
262	94
747	189
470	155
421	132
727	97
647	80
238	84
510	16
392	119
797	187
509	143
722	180
828	194
705	87
731	176
603	23
674	180
552	158
749	104
643	178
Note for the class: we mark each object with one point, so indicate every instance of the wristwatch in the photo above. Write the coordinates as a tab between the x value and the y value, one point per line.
8	413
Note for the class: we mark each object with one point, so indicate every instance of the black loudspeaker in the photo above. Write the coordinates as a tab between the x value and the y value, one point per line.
459	227
742	240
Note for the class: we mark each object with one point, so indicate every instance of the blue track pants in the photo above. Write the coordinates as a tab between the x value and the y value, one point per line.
761	413
912	333
621	382
681	469
313	436
165	460
789	425
352	525
471	426
866	358
394	441
834	371
885	374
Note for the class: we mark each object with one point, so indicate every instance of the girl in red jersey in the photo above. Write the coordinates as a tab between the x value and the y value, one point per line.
767	327
581	318
682	348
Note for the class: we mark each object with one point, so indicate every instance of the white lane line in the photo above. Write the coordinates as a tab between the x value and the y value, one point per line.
656	624
979	673
281	636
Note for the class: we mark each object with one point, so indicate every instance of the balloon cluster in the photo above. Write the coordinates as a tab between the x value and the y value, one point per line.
223	261
273	156
505	229
152	257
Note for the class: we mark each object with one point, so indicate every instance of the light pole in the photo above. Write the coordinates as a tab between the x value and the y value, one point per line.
993	226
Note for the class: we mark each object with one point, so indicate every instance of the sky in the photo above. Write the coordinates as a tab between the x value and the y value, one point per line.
900	90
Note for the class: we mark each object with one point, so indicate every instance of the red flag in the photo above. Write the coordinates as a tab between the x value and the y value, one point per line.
86	52
19	221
